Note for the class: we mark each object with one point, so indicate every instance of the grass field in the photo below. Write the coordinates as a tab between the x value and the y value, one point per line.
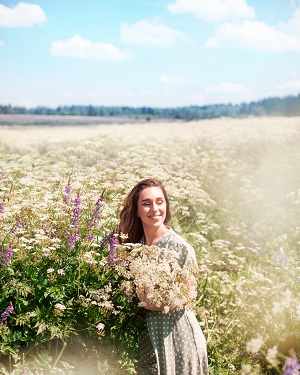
234	187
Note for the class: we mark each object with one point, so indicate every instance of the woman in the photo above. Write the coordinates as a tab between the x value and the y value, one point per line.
170	344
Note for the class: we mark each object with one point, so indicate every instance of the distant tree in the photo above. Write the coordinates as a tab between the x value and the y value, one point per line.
275	106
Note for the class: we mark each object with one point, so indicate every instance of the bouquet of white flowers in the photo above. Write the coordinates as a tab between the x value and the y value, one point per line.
154	273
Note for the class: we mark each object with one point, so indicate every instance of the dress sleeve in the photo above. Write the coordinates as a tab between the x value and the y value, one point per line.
185	251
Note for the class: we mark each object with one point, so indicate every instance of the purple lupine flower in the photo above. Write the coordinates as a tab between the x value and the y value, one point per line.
1	207
7	257
7	313
112	255
112	241
95	218
76	211
72	241
281	258
292	365
74	235
19	224
68	189
104	241
89	237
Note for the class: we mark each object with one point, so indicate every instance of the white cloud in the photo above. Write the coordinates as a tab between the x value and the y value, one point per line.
293	25
150	33
1	43
214	10
78	47
289	88
23	15
255	35
226	92
225	87
174	80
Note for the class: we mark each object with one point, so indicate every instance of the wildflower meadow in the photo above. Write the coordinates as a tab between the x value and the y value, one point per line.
234	188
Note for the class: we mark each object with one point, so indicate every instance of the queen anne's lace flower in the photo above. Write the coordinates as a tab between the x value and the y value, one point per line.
254	345
155	273
59	306
271	356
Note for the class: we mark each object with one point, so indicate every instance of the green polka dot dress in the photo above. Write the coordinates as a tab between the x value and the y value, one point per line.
173	344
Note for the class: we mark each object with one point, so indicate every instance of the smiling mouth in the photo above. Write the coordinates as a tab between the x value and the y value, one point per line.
155	217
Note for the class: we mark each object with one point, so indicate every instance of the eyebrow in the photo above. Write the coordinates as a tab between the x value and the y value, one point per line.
148	199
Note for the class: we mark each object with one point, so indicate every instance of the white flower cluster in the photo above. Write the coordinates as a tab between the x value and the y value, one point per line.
155	273
254	345
60	307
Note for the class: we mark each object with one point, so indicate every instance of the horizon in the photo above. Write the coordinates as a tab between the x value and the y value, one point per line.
162	108
140	53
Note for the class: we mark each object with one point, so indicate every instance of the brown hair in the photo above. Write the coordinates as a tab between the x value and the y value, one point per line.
130	223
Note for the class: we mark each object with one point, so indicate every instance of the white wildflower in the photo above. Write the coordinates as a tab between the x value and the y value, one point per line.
271	356
61	272
254	345
287	299
50	270
246	369
100	327
59	306
88	257
277	308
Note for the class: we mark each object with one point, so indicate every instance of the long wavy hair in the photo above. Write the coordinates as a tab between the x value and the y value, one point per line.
130	223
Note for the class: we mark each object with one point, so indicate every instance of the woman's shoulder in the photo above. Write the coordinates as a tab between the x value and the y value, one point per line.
176	238
173	240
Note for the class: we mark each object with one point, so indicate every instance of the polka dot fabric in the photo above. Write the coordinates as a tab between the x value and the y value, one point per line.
173	344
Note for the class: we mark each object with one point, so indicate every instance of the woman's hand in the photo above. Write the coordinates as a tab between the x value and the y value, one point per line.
142	296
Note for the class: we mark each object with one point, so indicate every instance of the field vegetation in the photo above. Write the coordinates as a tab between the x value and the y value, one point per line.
234	187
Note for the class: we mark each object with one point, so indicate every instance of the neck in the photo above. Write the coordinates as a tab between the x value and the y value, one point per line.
152	235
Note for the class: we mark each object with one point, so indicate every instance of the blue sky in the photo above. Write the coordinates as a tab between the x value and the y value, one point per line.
159	53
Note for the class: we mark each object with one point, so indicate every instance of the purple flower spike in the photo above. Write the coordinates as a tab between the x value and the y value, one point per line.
89	237
1	207
112	240
281	259
113	243
76	211
93	222
6	313
7	257
95	217
72	241
74	232
68	189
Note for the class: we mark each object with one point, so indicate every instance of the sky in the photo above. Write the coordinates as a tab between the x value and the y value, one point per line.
154	53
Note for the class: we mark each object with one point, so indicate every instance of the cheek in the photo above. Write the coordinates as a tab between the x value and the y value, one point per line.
140	211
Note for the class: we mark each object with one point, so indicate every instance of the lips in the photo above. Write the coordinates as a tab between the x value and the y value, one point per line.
156	217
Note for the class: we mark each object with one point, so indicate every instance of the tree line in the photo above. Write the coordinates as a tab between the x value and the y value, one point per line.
273	106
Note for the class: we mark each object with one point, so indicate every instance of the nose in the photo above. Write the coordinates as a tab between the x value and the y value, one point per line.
154	207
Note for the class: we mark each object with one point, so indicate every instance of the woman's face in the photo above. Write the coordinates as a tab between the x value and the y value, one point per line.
152	207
